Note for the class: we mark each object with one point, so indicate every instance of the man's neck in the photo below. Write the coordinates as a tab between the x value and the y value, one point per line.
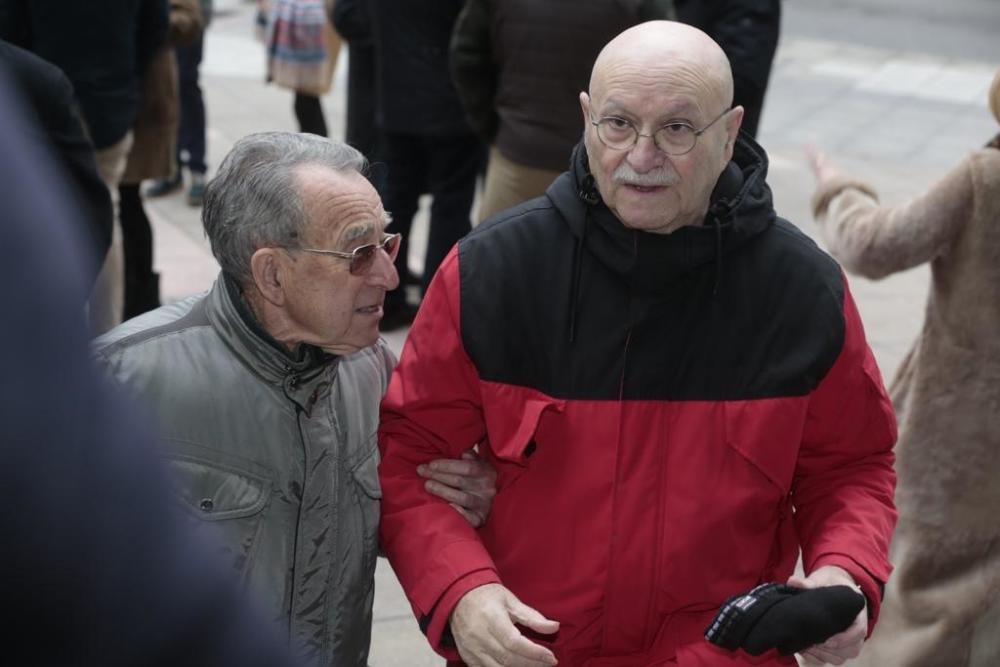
263	319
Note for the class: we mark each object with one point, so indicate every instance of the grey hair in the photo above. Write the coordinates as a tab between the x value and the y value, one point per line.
254	200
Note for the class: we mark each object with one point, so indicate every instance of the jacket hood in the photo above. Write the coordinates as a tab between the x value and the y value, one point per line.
741	208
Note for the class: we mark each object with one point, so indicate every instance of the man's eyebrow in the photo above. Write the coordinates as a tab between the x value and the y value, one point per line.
355	232
611	105
682	111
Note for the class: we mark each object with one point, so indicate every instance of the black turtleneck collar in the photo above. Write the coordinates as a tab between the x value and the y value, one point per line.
304	356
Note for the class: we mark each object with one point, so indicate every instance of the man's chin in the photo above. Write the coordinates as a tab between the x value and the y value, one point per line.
649	221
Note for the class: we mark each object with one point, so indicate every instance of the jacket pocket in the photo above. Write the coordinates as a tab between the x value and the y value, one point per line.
766	435
512	416
225	492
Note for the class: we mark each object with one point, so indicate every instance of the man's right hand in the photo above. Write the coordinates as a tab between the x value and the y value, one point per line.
483	626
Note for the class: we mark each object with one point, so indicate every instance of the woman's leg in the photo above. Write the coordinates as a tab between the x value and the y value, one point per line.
309	113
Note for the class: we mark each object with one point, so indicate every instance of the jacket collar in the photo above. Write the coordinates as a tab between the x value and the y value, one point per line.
304	376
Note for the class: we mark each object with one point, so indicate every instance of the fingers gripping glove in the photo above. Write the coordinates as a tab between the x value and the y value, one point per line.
789	619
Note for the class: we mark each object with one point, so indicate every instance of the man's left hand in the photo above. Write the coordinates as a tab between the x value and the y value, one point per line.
843	646
468	484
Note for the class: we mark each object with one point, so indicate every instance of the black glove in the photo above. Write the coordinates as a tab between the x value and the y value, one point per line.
783	617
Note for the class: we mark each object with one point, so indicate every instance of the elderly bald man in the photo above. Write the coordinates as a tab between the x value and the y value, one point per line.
674	386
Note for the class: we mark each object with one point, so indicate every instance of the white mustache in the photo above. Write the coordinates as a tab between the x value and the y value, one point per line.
656	177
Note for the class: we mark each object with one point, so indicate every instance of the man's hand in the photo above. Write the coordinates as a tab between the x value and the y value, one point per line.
468	484
841	647
483	626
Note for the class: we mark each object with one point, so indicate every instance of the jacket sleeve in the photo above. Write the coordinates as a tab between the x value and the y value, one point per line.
844	478
432	410
875	241
472	68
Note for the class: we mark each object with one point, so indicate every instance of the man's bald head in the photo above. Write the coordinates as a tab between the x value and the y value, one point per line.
659	126
670	49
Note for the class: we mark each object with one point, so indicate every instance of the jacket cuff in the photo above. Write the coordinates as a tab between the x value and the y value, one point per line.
829	188
871	587
436	624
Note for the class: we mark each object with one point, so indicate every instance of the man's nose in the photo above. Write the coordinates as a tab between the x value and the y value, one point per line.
645	155
383	272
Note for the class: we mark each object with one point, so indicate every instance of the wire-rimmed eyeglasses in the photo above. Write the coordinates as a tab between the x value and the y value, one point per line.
674	138
363	257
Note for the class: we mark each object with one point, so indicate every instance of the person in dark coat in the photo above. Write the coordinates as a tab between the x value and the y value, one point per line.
102	46
428	145
49	96
97	567
747	31
352	20
519	66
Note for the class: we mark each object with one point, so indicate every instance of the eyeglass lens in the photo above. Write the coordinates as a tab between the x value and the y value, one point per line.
676	138
364	256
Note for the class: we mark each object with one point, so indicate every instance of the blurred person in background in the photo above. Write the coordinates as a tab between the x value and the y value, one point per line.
427	145
103	47
747	31
942	605
302	50
518	66
191	141
353	22
152	155
49	97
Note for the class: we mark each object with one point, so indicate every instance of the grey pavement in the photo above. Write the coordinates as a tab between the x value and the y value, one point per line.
893	109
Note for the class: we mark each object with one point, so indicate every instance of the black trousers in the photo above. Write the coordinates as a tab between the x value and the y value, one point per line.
191	133
443	166
142	292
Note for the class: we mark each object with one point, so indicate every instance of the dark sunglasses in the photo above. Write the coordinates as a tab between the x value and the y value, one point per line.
363	257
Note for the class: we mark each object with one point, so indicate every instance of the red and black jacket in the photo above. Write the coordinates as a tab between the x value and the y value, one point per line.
671	416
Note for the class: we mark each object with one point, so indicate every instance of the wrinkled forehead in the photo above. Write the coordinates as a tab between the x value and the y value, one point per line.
342	207
678	87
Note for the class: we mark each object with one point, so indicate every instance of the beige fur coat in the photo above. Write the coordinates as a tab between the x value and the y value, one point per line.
942	604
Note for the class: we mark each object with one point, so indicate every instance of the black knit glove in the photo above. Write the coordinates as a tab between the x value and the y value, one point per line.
783	617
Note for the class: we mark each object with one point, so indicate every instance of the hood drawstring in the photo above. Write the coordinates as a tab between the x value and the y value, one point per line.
588	193
718	257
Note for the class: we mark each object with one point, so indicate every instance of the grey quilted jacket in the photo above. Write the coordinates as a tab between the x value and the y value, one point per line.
278	454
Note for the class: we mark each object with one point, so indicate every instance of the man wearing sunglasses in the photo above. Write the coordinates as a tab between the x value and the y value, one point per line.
266	389
674	386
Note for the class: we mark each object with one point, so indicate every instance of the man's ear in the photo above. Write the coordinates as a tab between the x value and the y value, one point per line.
585	108
733	123
268	268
